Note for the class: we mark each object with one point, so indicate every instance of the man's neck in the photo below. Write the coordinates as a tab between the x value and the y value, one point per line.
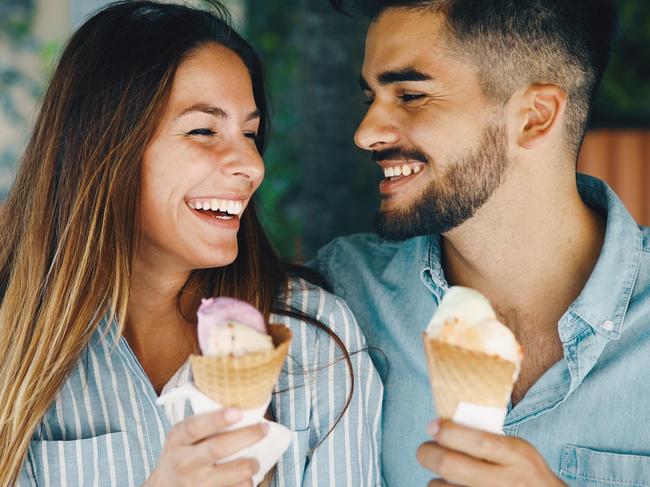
527	246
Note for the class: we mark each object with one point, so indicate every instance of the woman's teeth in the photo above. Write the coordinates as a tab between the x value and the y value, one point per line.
234	208
403	170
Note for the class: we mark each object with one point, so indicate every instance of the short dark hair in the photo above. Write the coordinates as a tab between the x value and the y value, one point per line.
514	43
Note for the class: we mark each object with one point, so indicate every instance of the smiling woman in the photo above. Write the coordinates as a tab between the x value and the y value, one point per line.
146	154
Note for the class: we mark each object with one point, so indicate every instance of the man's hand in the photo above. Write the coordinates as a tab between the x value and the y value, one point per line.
470	457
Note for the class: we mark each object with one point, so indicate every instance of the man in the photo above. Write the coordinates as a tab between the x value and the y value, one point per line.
477	110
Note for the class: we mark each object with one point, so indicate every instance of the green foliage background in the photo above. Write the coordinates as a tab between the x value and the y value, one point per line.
624	97
269	27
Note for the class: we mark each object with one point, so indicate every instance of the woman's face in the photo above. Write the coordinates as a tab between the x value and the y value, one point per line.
202	166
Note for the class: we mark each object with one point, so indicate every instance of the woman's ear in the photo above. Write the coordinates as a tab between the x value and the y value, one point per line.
540	110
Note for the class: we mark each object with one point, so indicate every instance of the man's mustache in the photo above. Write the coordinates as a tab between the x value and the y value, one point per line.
398	153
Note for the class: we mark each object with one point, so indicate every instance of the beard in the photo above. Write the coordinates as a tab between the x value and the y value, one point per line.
455	197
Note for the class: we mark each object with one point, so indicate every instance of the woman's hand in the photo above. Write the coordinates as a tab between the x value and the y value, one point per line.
194	446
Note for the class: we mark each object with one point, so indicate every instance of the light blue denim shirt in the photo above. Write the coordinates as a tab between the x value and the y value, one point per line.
589	414
104	427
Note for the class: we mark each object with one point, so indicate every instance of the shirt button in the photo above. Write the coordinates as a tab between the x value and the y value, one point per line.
608	325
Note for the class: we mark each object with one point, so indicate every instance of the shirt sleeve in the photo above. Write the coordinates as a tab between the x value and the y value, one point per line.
345	446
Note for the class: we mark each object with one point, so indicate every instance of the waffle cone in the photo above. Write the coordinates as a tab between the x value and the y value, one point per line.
244	382
458	374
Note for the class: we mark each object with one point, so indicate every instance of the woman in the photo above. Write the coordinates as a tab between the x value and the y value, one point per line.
132	202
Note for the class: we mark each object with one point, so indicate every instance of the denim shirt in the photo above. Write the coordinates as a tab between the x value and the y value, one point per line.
588	415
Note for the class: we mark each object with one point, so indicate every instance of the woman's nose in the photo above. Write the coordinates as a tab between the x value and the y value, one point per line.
245	162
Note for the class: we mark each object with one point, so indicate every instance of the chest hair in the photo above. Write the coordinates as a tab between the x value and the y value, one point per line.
539	338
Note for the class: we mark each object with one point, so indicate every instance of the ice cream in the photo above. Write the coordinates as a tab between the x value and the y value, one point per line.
229	327
474	360
241	356
466	319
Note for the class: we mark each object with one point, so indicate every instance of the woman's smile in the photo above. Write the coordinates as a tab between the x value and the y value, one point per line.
219	212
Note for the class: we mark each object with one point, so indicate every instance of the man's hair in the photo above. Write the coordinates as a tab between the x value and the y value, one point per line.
516	43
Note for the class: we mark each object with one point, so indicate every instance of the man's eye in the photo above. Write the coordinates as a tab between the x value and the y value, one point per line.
407	97
205	132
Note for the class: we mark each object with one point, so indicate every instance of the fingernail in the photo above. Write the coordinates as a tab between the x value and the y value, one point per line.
232	415
264	427
433	428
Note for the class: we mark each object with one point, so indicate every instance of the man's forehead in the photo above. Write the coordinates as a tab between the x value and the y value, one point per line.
403	37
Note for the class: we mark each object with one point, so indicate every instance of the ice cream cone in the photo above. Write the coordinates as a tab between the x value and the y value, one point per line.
461	375
247	381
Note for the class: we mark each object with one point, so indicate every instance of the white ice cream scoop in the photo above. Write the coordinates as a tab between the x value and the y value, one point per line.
465	318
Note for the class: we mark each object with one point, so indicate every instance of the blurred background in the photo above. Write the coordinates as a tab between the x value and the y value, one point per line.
318	184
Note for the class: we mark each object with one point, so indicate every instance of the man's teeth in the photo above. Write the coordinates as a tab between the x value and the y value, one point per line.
403	170
227	206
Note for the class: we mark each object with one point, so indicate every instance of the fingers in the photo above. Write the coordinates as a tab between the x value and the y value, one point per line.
503	450
236	473
454	466
229	443
196	428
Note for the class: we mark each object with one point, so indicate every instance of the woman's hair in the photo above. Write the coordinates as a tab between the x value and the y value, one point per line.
70	227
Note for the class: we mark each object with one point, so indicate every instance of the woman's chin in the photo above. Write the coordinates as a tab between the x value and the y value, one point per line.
220	258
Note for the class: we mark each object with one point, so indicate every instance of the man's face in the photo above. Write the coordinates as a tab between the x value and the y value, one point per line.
439	142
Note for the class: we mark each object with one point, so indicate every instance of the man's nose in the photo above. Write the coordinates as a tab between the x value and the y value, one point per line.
377	130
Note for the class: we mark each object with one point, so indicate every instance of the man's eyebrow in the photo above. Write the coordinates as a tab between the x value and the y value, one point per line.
404	74
216	111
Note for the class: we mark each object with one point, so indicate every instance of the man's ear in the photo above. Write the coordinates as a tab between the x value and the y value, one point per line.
540	110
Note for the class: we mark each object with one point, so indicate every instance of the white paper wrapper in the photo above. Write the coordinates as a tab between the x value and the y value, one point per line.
481	417
267	451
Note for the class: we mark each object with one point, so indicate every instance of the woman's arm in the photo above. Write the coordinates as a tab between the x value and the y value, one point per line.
26	475
350	454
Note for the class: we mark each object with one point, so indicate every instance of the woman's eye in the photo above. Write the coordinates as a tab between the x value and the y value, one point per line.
408	97
205	132
251	135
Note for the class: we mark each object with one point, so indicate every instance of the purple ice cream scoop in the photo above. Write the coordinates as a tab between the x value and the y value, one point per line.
219	311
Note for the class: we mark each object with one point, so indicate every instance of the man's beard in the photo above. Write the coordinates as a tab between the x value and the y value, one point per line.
455	197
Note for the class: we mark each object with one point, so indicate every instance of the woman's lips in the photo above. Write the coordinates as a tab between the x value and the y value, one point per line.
217	219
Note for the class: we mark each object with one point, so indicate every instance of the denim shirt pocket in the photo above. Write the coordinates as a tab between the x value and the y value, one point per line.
101	461
584	467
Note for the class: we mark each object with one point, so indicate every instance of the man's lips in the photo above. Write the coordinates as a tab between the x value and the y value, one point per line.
400	168
397	175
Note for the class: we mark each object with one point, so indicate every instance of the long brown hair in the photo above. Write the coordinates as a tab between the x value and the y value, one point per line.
70	224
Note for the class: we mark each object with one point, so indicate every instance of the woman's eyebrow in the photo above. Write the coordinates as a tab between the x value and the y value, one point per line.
215	111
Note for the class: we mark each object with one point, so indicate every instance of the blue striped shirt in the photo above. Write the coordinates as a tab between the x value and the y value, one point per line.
104	427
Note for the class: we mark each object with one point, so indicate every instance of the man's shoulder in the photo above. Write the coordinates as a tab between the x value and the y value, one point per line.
360	242
354	251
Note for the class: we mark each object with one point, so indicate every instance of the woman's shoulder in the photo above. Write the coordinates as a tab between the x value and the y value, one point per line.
327	309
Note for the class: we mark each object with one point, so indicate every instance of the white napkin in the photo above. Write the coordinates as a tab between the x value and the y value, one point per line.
482	417
267	451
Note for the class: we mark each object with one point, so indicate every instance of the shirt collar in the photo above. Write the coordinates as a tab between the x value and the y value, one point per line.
432	273
603	302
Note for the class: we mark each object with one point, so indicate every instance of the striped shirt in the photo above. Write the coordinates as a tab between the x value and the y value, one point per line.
104	427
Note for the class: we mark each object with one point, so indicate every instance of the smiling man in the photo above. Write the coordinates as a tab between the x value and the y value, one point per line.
477	111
